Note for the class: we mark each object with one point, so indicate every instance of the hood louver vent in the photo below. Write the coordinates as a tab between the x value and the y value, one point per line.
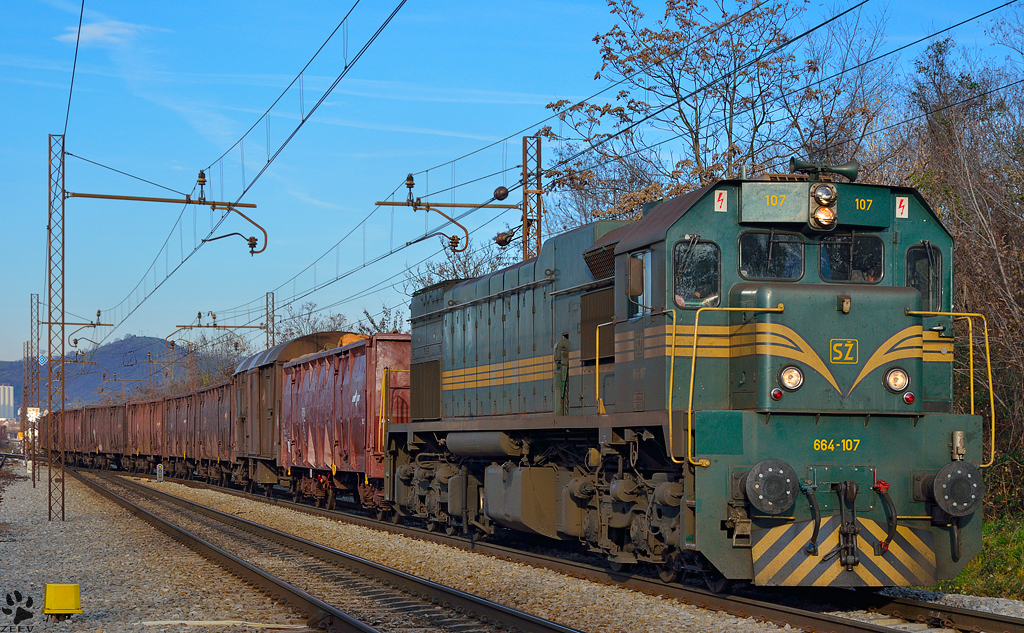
601	261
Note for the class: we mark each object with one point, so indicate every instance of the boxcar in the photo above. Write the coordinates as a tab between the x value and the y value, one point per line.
331	430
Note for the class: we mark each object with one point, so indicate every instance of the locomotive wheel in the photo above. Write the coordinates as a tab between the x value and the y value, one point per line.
671	570
716	582
621	568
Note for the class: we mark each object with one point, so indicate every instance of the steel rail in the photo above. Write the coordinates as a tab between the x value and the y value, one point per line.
957	618
317	613
781	615
474	606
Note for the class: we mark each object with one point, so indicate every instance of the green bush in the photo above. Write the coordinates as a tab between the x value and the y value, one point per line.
999	570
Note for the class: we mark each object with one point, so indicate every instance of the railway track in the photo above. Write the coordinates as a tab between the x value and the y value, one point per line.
334	591
880	613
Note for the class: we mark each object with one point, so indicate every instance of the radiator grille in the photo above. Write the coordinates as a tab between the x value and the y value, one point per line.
425	382
597	308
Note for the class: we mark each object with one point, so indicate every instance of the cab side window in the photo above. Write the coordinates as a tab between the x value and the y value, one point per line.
642	304
771	255
924	273
697	274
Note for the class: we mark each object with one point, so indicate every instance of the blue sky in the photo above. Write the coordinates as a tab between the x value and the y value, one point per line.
163	89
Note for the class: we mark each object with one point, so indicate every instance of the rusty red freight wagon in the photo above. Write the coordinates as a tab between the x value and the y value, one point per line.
144	424
331	425
257	401
103	435
215	446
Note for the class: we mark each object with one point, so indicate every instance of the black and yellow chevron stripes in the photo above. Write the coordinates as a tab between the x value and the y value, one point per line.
781	559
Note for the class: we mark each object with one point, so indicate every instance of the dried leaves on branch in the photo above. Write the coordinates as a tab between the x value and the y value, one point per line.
704	91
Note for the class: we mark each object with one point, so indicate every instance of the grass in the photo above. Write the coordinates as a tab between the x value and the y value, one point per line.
999	570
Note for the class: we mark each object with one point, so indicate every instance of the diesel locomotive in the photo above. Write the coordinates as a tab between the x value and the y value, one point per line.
753	381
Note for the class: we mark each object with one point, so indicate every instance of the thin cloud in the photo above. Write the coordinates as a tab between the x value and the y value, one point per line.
107	33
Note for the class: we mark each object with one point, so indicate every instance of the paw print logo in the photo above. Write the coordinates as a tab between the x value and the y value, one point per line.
14	605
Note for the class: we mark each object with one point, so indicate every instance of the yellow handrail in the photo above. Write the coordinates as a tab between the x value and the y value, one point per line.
693	364
383	394
597	366
988	363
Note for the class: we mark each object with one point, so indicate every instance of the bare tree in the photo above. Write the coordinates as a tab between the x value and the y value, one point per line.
387	320
468	264
308	320
707	75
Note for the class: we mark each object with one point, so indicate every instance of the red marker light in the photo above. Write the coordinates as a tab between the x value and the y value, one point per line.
777	394
908	398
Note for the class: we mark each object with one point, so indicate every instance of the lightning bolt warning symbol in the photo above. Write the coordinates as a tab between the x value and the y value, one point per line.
901	207
721	197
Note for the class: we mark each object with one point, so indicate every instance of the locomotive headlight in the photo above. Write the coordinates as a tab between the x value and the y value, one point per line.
825	194
823	218
896	379
791	378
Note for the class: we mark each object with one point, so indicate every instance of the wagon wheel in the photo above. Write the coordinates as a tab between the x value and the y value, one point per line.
268	490
394	517
296	495
621	568
332	500
319	502
451	529
432	526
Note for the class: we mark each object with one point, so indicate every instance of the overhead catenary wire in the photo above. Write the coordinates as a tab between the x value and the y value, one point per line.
788	42
124	173
818	82
74	65
453	161
198	243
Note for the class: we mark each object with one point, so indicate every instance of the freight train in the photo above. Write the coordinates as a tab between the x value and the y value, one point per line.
752	381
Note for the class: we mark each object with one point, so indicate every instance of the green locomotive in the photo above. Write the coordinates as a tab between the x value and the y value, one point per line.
753	381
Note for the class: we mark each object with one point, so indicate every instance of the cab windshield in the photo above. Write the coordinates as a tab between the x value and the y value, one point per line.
771	255
851	258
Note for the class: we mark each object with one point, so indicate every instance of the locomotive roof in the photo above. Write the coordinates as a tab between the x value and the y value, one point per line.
654	225
290	349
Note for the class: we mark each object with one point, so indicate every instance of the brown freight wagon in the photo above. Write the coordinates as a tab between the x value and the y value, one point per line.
257	407
215	448
144	423
179	435
331	425
104	436
72	440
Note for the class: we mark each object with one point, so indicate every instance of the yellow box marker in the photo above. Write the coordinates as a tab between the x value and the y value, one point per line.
62	600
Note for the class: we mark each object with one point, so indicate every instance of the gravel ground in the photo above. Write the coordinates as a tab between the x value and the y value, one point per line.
1002	606
131	576
573	602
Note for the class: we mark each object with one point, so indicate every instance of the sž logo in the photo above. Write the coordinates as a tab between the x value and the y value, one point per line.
18	606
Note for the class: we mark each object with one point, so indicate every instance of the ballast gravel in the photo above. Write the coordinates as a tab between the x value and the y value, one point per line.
131	576
573	602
